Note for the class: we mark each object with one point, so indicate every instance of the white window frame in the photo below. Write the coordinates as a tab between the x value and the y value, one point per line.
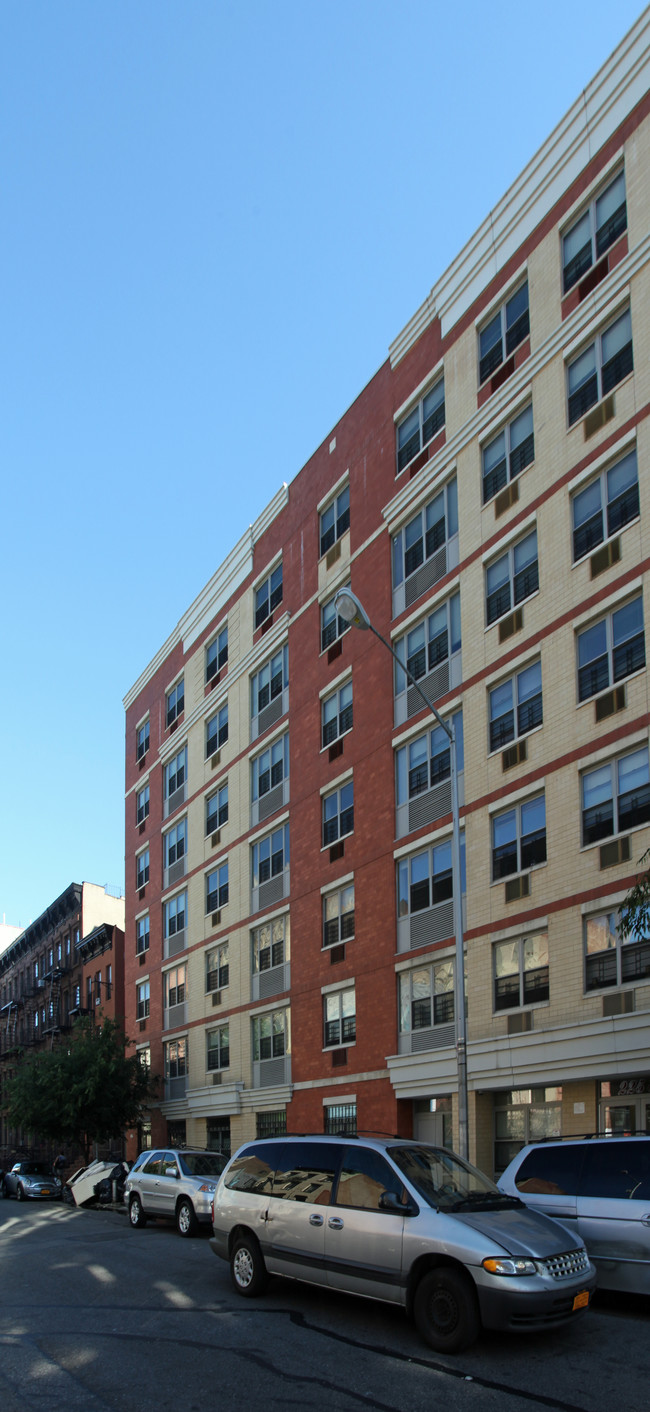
591	212
216	654
505	343
424	420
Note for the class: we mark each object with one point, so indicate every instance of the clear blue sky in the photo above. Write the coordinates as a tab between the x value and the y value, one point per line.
215	218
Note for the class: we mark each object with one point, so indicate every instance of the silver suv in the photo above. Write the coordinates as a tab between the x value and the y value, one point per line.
400	1221
599	1188
176	1184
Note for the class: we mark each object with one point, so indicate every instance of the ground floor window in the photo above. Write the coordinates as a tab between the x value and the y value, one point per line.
218	1136
340	1119
624	1106
271	1124
177	1133
144	1135
524	1115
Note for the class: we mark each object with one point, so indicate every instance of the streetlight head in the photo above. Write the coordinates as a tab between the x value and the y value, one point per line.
350	609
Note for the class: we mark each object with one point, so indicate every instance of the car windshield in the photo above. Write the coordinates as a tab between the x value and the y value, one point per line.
444	1180
202	1164
34	1169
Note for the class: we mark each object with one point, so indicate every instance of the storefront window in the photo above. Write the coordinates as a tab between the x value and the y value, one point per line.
521	1116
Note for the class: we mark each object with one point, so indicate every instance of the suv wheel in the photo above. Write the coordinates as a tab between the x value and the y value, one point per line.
247	1267
446	1310
186	1221
136	1214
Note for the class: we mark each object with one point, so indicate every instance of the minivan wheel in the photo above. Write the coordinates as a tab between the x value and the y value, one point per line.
186	1221
446	1310
247	1267
136	1214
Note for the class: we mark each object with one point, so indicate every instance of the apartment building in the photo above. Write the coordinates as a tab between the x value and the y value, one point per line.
289	958
69	962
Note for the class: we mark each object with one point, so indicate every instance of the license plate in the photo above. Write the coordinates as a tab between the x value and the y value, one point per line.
45	1191
581	1300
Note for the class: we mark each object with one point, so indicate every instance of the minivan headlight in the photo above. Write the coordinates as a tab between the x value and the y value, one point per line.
501	1265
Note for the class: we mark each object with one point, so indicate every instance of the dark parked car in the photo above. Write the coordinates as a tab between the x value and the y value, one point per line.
31	1181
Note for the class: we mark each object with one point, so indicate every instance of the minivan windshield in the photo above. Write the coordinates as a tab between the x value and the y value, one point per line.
446	1181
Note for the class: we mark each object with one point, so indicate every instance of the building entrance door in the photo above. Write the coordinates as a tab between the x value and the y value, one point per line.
623	1117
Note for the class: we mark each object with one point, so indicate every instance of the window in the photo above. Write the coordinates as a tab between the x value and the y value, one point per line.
426	761
616	797
332	626
175	702
335	520
421	425
270	768
142	805
594	231
605	506
218	1056
142	740
524	1115
142	934
613	960
216	733
270	945
270	681
216	809
338	916
216	888
512	577
175	774
216	655
175	844
425	535
600	367
340	1119
175	982
144	1058
508	454
271	1035
521	972
336	714
270	856
426	997
109	981
175	1052
431	643
217	969
505	331
340	1017
142	869
268	595
519	838
338	813
271	1124
175	914
611	649
516	706
426	879
141	1000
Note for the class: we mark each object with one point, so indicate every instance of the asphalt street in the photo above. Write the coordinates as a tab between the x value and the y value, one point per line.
97	1316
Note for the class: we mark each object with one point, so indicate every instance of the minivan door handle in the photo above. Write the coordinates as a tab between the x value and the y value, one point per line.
315	1220
336	1223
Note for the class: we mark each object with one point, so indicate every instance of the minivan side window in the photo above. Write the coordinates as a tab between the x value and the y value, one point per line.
620	1171
252	1172
365	1176
550	1171
305	1171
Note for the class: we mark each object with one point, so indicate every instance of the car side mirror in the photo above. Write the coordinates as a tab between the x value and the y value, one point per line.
173	1172
390	1201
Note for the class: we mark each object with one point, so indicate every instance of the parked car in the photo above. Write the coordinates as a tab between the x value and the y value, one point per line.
175	1184
400	1221
31	1181
599	1188
95	1183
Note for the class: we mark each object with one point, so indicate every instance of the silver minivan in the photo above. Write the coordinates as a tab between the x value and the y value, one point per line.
599	1188
399	1221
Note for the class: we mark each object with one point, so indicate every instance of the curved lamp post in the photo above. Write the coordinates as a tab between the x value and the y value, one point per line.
353	612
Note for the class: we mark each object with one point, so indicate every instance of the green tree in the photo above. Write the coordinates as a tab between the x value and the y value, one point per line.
634	916
84	1091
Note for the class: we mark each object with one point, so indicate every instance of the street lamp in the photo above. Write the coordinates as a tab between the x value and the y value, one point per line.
349	608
